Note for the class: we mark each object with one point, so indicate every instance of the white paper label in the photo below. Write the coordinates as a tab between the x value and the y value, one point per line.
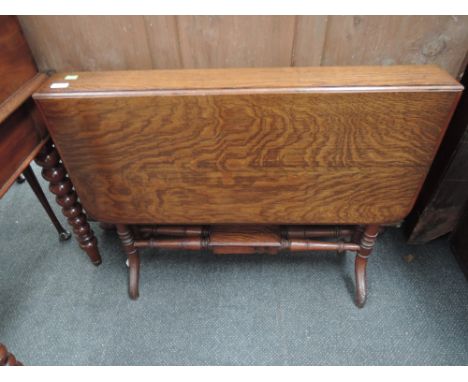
59	85
71	77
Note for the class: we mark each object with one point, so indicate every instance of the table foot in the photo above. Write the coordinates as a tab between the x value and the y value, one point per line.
133	263
29	175
367	243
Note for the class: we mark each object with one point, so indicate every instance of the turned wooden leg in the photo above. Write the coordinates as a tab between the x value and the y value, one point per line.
61	185
128	243
8	359
32	180
367	243
357	234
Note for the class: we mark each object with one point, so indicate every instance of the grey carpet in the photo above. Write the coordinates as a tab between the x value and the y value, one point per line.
198	309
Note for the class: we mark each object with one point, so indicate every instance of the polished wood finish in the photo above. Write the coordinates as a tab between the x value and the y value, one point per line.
245	239
245	160
266	146
314	231
7	358
21	137
193	82
33	182
60	185
22	131
297	232
131	251
366	245
174	230
357	234
445	190
20	96
17	66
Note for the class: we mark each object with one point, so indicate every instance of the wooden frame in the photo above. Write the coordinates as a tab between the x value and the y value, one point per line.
247	160
22	133
249	240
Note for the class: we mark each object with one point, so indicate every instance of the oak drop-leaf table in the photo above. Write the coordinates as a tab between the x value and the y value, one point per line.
245	160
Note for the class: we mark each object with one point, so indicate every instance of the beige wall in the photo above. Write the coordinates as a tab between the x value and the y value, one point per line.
144	42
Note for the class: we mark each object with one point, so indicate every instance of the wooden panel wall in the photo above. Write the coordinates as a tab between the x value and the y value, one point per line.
141	42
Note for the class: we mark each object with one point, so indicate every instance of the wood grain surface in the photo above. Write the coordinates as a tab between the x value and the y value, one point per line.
17	98
445	191
21	136
327	153
22	133
16	62
261	80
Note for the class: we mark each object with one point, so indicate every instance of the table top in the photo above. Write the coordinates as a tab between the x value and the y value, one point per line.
248	80
250	146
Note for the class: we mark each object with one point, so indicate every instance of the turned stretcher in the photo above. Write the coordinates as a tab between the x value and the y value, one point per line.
243	160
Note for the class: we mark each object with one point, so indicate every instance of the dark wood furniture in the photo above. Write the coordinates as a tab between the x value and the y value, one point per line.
6	358
445	191
245	160
66	197
22	130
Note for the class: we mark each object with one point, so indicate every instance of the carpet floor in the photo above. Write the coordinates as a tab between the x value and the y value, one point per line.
56	308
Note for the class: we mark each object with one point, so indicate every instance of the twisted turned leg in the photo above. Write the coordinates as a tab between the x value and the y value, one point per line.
61	185
128	243
32	180
8	359
366	244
